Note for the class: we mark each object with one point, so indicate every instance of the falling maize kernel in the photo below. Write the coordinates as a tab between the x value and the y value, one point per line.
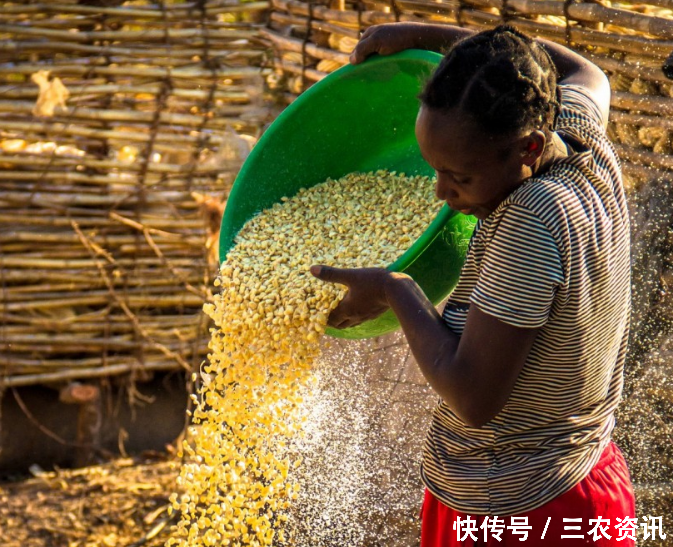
269	317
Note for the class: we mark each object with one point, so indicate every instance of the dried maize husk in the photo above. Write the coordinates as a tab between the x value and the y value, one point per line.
328	65
620	82
345	44
627	134
643	87
663	144
650	135
293	57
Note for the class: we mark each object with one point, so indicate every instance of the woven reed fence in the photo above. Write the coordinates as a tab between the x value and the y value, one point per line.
630	42
122	125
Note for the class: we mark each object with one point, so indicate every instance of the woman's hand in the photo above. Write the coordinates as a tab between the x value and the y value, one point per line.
393	37
366	297
384	40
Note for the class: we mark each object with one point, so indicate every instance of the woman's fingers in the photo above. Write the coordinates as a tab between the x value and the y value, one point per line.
342	324
351	317
338	320
369	31
333	275
367	46
345	322
365	298
384	39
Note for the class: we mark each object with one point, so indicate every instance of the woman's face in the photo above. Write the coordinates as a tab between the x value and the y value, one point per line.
475	171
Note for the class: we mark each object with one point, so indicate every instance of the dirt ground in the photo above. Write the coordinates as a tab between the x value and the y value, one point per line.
122	503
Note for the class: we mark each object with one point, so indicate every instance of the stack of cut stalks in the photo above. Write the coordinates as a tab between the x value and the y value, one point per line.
122	125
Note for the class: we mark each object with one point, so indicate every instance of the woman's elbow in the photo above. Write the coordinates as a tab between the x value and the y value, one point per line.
476	415
471	404
477	421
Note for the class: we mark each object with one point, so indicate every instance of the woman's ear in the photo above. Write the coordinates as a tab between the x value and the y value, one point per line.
532	147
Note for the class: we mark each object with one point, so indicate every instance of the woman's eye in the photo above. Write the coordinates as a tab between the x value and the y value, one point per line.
457	180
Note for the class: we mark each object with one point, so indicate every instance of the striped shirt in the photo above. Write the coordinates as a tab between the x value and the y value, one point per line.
553	255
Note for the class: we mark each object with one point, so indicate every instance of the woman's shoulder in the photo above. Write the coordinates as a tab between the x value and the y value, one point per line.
596	163
544	197
578	105
551	201
570	201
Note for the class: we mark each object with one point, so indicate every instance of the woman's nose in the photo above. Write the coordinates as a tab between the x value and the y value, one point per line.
444	188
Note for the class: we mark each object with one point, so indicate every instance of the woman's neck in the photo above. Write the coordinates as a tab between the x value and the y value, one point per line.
555	150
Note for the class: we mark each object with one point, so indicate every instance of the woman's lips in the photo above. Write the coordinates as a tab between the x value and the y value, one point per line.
464	210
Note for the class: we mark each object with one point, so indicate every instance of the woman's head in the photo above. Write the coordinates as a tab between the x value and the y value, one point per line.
486	115
503	79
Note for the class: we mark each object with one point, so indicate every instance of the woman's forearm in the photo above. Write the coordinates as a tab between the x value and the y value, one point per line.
431	37
436	37
572	67
473	373
439	37
432	343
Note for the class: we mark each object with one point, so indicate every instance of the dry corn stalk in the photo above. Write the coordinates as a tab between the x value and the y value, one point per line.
620	82
627	134
295	84
643	87
269	316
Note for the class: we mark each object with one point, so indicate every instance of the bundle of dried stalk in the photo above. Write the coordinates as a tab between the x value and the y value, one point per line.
121	502
122	125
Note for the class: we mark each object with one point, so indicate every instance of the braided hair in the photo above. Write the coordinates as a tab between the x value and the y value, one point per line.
502	78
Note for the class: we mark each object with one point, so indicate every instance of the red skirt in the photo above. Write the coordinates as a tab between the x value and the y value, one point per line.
570	520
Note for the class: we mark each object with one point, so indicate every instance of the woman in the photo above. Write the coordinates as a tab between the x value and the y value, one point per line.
528	354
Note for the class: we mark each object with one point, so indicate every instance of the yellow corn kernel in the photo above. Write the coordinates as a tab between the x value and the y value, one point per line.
269	317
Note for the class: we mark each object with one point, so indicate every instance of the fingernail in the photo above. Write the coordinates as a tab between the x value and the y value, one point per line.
315	270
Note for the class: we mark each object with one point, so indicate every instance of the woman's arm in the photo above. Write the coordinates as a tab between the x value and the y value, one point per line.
575	69
475	373
393	37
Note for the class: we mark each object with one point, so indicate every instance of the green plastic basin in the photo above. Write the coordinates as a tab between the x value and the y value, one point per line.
359	118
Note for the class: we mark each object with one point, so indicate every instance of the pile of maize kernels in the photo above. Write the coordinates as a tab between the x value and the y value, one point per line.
237	485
